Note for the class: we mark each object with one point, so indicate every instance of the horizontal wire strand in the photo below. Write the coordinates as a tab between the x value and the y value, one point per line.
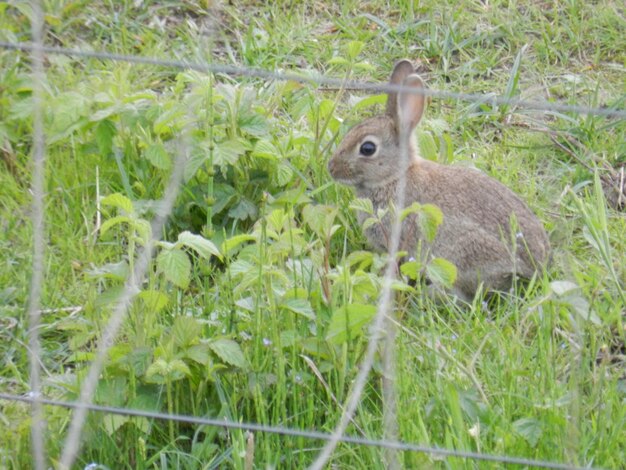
490	99
403	446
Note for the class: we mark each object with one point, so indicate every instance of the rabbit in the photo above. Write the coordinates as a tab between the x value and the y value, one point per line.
479	213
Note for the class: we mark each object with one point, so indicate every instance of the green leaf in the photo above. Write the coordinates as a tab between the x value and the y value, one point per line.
349	321
113	221
143	229
369	101
69	108
362	205
119	201
158	156
367	223
111	423
161	371
284	174
530	429
245	209
581	306
109	296
110	391
411	269
21	109
106	112
511	86
441	271
185	331
175	266
317	347
299	306
427	145
400	286
292	197
157	372
254	125
145	399
289	338
277	220
247	303
116	271
363	258
170	120
354	48
337	60
429	220
104	133
320	219
364	66
199	244
569	294
562	288
224	195
153	300
194	163
591	238
414	208
228	152
241	267
265	149
199	353
229	351
446	149
234	242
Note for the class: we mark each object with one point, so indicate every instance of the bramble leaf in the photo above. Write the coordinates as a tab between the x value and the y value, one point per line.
175	266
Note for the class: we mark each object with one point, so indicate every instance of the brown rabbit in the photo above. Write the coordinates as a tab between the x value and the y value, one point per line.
479	213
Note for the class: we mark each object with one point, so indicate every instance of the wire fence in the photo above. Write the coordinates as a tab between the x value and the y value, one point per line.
291	432
37	218
380	324
490	99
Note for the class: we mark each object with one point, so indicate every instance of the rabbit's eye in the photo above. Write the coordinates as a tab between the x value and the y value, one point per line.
368	148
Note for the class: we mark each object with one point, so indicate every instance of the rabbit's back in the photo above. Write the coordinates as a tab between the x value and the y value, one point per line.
488	232
470	195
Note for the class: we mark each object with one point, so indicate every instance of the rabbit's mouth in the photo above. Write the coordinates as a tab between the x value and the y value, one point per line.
342	173
345	180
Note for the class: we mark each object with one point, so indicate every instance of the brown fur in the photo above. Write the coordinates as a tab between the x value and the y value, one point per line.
478	211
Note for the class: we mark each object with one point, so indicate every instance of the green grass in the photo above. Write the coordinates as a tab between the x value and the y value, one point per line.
258	333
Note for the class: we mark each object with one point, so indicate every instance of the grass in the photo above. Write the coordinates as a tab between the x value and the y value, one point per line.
248	322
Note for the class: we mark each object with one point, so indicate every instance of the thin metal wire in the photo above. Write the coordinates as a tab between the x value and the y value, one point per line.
382	320
399	445
488	99
37	219
390	390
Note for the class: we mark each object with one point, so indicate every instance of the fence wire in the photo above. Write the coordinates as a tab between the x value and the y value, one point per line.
37	222
291	432
84	404
382	327
487	99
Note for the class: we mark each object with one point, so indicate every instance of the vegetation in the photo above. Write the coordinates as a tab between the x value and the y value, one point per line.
256	305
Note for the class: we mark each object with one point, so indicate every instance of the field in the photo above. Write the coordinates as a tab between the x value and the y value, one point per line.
256	304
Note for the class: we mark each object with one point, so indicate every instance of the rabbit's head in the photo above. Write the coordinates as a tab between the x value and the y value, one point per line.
380	149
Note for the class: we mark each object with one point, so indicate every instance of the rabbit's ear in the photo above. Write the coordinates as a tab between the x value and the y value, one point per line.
410	104
402	69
